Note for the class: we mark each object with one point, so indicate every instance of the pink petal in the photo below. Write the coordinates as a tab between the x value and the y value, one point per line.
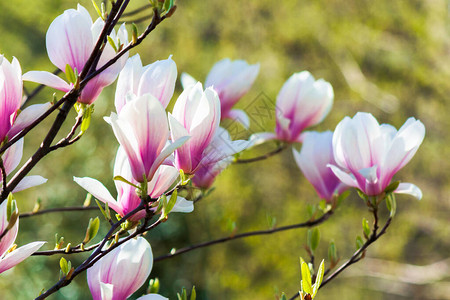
238	115
28	116
13	156
99	191
17	256
187	80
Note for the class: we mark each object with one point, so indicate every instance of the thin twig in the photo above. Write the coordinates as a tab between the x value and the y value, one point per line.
262	157
357	255
4	175
136	11
316	222
57	209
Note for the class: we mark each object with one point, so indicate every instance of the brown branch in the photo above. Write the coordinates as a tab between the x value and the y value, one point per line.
316	222
57	209
4	175
262	157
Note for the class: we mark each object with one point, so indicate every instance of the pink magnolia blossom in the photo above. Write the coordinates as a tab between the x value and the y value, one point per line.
11	159
142	130
70	40
127	199
231	80
302	102
197	114
157	79
216	157
118	274
9	258
313	160
11	100
368	154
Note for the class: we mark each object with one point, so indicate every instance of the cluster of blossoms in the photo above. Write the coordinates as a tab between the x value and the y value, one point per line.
157	146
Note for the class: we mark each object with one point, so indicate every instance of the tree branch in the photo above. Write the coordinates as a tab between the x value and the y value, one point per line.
57	209
262	157
316	222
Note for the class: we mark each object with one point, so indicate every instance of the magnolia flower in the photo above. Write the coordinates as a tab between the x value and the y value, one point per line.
197	114
216	157
127	199
11	100
9	255
302	102
368	154
122	271
70	40
313	160
157	79
142	130
11	159
231	80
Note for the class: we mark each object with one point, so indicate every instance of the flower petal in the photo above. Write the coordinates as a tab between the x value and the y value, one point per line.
410	189
17	256
48	79
28	116
29	181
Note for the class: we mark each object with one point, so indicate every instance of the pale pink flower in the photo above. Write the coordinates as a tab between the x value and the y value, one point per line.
11	100
142	130
216	157
368	154
9	259
70	40
231	80
157	79
152	297
118	274
196	114
301	103
127	199
313	159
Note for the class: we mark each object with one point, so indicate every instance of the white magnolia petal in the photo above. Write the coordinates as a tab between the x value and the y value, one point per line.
28	116
182	205
99	191
18	255
29	181
261	137
238	115
410	189
344	177
187	80
48	79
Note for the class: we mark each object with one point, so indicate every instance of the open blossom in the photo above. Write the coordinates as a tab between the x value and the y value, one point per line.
70	40
127	199
216	157
368	154
11	159
196	114
231	80
118	274
302	102
11	100
313	159
8	257
141	128
157	79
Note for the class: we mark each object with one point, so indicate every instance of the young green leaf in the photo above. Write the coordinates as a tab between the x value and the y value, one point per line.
392	187
306	277
120	178
92	230
283	297
359	242
319	278
193	294
332	252
63	265
391	204
70	74
153	286
366	228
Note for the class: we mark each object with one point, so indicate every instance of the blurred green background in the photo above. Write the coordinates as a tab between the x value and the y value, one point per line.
389	58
